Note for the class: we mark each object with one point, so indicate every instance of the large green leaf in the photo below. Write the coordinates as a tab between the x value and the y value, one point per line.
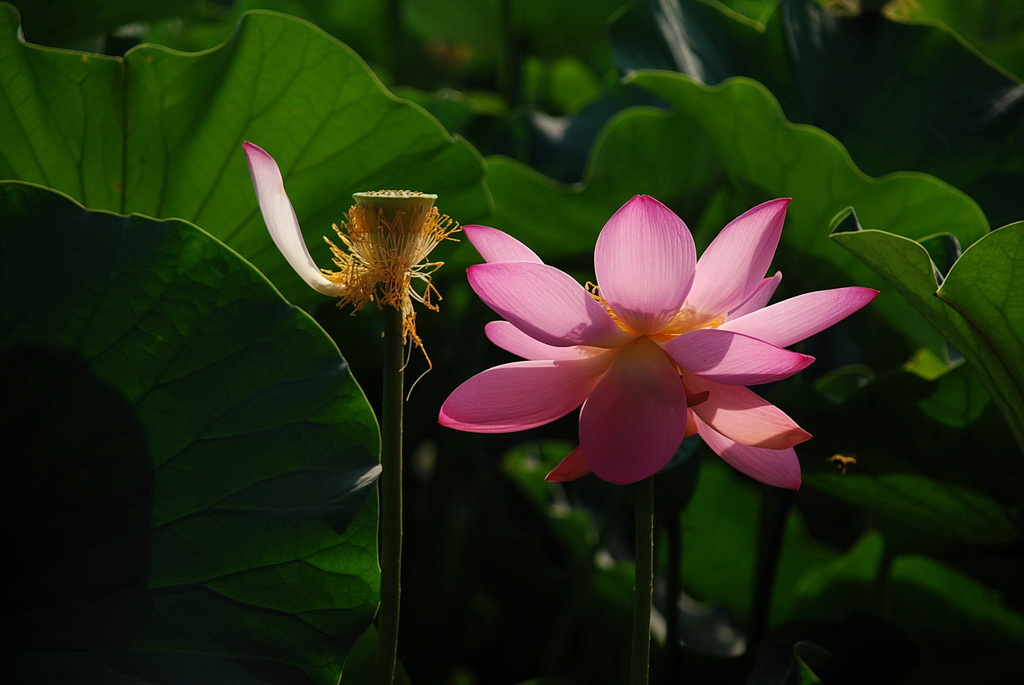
364	26
188	461
963	629
978	311
160	133
717	152
994	27
898	96
984	286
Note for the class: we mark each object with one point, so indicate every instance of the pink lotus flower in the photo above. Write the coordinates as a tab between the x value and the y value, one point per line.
661	349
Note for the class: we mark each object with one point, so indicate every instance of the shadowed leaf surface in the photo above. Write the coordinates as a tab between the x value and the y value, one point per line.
189	463
898	96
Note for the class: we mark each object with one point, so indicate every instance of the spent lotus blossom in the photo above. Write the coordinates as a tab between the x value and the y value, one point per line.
662	347
387	236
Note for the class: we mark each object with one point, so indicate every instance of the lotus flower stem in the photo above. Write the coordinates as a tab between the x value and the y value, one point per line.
390	498
643	583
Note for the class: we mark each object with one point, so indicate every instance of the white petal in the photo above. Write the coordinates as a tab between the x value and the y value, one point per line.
280	219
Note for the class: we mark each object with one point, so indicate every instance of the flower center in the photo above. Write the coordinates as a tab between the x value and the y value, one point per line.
387	236
594	291
685	320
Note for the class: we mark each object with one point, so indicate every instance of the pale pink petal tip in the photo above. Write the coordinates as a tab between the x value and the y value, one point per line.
734	264
790	321
743	416
779	468
644	260
281	221
572	467
498	246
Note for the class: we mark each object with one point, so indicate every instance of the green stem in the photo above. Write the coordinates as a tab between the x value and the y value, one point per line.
643	583
390	499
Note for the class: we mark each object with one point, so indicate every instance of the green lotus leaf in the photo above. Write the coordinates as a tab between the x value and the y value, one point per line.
160	133
189	464
995	30
976	308
899	96
960	627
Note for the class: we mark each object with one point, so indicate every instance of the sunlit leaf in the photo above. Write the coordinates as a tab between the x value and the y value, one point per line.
930	507
984	286
908	438
979	313
160	133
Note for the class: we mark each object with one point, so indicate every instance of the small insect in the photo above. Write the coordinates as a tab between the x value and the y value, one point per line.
842	462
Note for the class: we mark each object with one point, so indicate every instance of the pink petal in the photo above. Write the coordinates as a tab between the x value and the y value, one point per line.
792	320
280	219
644	261
509	338
522	395
546	304
572	467
635	418
498	246
737	259
729	357
744	416
759	298
780	468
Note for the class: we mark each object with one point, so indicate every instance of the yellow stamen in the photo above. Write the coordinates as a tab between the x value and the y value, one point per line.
684	321
594	290
687	320
387	237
